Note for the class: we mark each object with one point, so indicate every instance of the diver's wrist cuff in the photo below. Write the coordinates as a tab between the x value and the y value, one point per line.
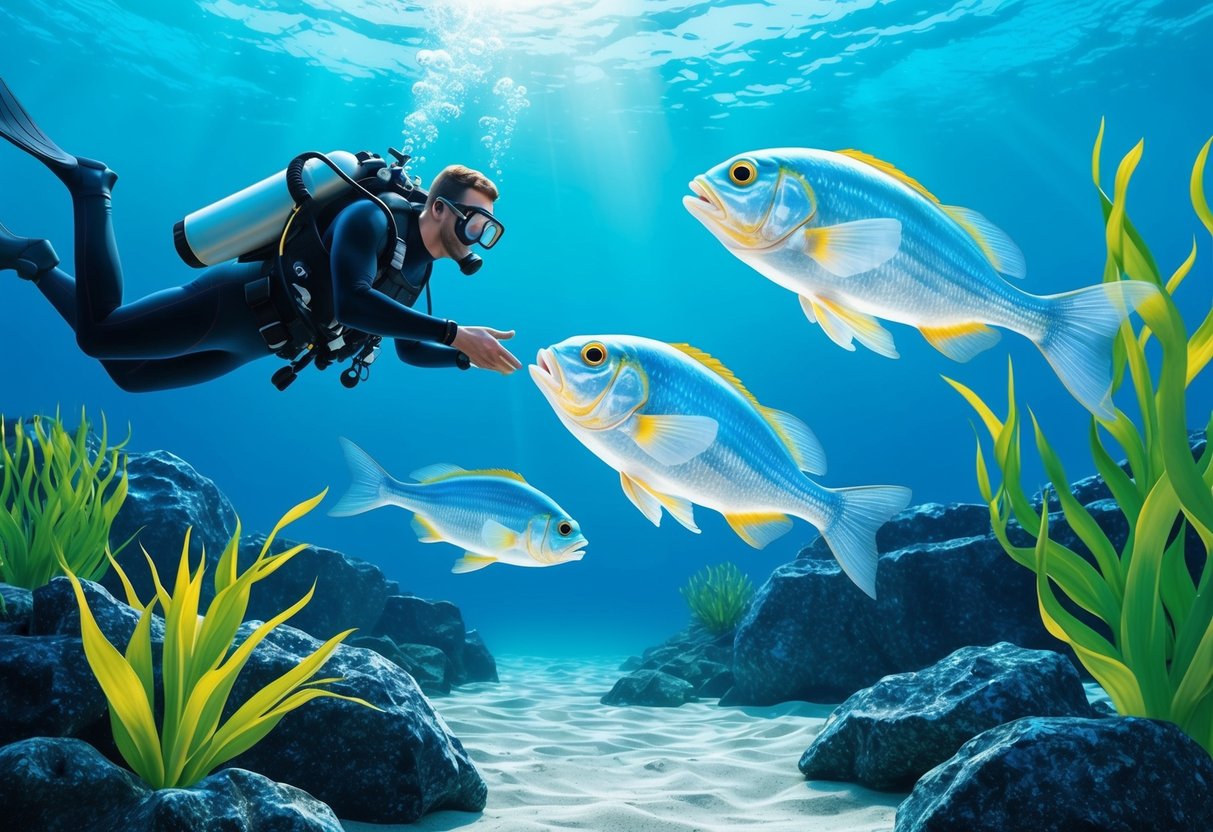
462	361
452	329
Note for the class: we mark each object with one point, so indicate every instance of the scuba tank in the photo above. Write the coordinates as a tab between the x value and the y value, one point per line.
253	219
282	213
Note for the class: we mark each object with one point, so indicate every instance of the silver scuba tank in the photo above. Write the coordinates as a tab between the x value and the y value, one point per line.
255	216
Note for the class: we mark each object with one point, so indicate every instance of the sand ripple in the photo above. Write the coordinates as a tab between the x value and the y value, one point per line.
555	758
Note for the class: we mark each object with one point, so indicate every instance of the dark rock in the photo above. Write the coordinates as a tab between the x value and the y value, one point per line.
382	645
925	523
429	666
631	663
889	735
1041	774
807	635
350	593
650	687
379	766
166	496
715	686
932	599
339	751
46	688
56	612
478	663
408	619
232	799
65	785
16	604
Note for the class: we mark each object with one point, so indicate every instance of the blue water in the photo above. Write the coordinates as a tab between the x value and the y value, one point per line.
610	108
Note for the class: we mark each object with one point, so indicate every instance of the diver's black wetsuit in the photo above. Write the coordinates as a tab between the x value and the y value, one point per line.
204	329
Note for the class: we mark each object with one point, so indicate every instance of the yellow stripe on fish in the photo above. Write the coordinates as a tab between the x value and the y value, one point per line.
858	241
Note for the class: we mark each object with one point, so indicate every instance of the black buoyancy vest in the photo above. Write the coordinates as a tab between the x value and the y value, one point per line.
296	290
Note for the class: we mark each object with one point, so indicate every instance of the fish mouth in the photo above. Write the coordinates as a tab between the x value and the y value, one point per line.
704	204
576	552
546	371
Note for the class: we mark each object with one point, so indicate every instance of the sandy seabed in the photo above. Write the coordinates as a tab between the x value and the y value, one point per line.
555	758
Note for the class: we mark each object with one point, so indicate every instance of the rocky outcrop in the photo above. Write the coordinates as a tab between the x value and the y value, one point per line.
651	688
166	495
695	656
350	593
1042	774
943	583
64	785
391	764
889	735
16	604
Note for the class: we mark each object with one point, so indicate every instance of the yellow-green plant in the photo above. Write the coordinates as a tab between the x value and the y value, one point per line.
1154	655
200	663
58	501
718	597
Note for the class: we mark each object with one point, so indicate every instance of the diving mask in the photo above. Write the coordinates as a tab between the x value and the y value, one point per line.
474	224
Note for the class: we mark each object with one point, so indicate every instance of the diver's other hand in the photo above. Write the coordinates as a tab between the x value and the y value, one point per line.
482	345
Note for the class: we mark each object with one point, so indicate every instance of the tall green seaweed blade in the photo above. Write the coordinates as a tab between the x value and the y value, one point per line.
57	497
200	664
1154	655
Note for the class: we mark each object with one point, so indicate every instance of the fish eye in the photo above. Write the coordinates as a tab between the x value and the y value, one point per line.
565	528
743	173
593	354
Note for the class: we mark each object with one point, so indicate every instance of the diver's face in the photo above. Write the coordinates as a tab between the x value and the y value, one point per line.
451	244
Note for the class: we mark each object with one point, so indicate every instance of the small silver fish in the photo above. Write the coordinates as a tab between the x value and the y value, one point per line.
681	429
495	515
859	240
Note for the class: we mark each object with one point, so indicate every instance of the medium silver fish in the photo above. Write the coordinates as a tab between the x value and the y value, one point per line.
495	515
859	240
681	430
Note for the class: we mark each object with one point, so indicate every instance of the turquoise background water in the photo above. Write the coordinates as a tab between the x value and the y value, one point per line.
609	109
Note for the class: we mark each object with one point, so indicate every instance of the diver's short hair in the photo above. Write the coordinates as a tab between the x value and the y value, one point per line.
454	180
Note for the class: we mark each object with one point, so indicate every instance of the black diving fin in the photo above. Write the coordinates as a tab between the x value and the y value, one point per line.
17	126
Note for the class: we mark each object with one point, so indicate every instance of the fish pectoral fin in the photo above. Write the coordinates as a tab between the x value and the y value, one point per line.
642	498
426	533
760	528
960	342
995	243
496	537
436	471
672	440
471	561
806	449
680	508
845	325
852	248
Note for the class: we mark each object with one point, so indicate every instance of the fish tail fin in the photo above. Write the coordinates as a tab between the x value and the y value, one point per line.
852	534
1082	327
368	488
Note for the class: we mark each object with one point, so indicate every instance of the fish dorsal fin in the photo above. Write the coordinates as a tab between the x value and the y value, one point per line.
885	167
995	244
435	473
719	369
804	448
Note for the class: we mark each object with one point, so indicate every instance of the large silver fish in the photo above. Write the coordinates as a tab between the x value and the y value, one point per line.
493	514
681	430
859	240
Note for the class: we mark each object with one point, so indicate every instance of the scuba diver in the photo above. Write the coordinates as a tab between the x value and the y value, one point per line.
316	265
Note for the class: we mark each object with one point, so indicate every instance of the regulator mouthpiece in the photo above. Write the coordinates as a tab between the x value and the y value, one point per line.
471	263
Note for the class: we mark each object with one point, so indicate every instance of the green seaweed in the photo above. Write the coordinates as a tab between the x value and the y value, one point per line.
200	664
718	597
1154	653
58	500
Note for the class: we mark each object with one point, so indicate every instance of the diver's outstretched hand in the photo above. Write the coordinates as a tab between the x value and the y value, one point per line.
482	345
